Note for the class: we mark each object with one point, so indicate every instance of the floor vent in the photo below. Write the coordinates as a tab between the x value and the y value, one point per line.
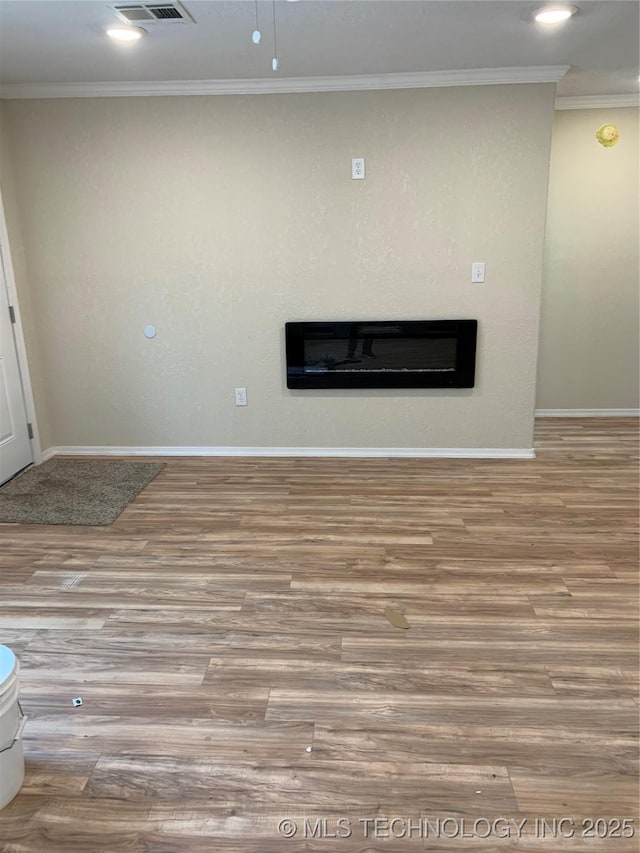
71	581
153	13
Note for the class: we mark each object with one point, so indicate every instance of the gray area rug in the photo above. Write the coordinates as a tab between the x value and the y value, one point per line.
74	491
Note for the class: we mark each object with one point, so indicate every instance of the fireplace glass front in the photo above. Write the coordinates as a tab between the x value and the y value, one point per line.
381	354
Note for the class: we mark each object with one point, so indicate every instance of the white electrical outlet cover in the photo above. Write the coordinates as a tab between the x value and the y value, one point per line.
357	168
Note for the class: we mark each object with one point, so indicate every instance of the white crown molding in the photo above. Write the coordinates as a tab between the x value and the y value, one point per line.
275	85
597	102
404	452
587	413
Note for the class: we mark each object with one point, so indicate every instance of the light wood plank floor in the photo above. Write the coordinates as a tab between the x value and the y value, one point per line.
232	618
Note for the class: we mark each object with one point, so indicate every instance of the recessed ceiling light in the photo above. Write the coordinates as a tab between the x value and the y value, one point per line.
555	14
126	33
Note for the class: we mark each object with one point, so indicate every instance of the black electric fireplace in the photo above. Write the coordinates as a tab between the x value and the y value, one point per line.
382	354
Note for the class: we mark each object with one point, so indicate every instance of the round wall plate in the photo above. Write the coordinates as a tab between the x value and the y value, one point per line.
608	135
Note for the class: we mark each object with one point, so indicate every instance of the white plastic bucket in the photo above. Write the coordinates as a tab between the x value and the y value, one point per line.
12	722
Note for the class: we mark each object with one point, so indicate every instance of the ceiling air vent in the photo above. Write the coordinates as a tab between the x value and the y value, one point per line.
164	12
158	13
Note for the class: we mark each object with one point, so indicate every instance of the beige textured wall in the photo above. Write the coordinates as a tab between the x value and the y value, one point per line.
217	219
589	327
18	259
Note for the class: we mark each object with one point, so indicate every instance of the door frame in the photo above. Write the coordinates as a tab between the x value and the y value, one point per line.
18	331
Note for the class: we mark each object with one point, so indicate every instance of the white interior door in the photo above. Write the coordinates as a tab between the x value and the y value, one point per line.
15	445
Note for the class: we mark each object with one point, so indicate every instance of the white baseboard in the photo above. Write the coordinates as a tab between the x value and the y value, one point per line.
411	452
587	413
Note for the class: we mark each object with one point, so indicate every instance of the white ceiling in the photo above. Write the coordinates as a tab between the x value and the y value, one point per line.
55	41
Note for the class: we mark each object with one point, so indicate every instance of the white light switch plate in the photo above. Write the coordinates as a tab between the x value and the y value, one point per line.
477	272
